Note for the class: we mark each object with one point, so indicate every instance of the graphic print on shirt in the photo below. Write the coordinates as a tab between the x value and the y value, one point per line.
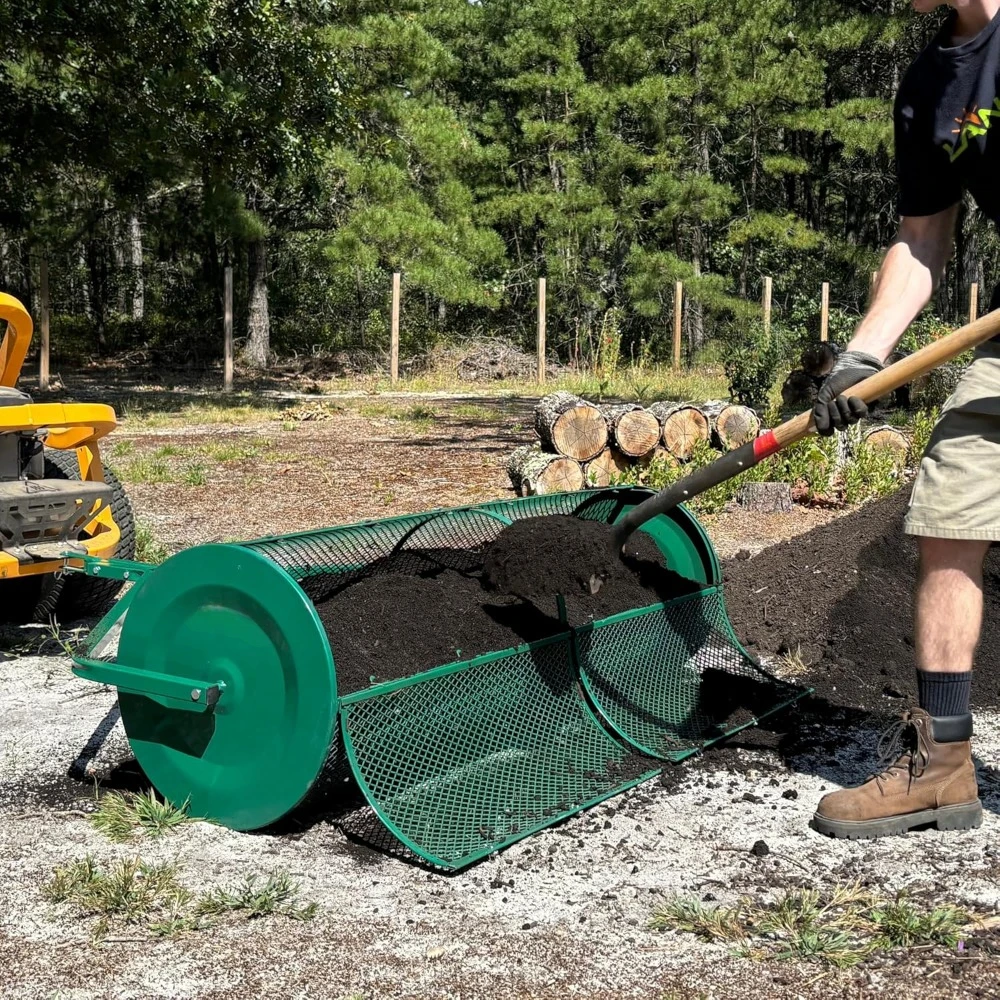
971	125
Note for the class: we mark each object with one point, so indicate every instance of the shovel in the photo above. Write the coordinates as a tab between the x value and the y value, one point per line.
771	442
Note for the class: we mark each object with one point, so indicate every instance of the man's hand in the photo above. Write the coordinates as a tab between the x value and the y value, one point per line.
834	411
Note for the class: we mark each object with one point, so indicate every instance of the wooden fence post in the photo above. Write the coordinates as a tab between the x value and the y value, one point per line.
540	345
394	333
678	321
767	305
824	319
974	302
43	360
227	329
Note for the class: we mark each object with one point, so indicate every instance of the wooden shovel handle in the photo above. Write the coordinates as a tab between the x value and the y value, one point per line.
897	375
770	442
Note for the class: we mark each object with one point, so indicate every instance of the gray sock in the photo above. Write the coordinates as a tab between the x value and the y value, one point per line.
944	694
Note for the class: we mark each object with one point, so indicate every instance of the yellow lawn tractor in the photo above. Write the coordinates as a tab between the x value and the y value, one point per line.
57	499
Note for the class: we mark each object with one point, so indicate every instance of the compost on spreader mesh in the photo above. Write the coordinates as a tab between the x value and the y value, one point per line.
251	677
452	605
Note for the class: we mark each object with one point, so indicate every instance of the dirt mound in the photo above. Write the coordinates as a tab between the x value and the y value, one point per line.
424	608
842	595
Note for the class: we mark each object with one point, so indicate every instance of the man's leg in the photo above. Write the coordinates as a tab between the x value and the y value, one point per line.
955	513
948	615
930	780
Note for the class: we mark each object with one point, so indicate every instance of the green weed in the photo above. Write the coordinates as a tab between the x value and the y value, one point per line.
231	451
194	475
121	449
276	895
840	928
872	473
474	411
131	892
121	817
148	548
923	426
145	469
151	897
168	451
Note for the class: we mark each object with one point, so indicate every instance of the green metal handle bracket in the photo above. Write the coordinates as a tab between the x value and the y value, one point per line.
185	693
110	569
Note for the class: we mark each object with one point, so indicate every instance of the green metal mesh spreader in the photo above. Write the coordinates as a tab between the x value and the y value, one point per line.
228	687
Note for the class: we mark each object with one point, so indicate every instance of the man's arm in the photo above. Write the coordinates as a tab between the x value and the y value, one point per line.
911	271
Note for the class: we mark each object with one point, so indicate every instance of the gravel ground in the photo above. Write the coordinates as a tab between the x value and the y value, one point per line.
562	914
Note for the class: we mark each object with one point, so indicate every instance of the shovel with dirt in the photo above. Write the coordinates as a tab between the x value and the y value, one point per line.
585	554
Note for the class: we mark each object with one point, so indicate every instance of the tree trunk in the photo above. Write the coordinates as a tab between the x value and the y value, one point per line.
119	237
136	285
535	472
97	268
684	425
258	350
601	470
732	425
765	498
571	426
635	431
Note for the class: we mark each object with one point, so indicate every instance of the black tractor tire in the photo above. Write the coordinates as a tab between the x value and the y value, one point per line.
71	597
88	596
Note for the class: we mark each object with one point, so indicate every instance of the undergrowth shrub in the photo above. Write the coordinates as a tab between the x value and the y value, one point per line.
872	473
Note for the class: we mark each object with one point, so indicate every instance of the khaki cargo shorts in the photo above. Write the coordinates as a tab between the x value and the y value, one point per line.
957	492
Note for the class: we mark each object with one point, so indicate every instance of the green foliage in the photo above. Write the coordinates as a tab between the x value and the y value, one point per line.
148	548
923	426
751	364
317	148
872	473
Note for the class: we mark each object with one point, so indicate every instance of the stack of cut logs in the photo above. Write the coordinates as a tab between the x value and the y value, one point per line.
583	444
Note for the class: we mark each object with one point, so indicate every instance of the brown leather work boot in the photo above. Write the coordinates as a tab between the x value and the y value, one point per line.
933	782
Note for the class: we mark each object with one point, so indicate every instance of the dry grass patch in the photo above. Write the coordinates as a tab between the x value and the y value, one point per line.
841	928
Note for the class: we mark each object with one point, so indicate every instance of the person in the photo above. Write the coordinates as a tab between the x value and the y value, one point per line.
946	112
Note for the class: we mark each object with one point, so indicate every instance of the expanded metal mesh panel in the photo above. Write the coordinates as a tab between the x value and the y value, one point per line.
323	561
464	762
673	680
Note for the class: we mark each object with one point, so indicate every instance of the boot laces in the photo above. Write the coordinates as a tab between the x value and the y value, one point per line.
903	744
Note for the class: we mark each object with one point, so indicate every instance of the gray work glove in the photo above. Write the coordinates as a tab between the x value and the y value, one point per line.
834	411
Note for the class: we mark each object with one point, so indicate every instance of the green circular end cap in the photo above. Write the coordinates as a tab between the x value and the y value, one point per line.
222	613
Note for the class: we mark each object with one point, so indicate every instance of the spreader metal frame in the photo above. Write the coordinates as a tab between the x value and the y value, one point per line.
232	705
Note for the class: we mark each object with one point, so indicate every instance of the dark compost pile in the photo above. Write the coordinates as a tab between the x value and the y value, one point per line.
420	609
842	594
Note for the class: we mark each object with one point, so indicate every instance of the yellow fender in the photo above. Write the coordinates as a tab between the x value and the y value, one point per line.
14	345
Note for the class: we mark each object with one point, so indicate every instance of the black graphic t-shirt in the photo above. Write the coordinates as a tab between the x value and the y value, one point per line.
947	111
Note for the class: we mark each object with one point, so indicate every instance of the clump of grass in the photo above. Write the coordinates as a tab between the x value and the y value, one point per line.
840	928
123	817
475	411
277	894
145	469
148	548
194	475
151	897
121	449
131	892
231	451
168	451
793	664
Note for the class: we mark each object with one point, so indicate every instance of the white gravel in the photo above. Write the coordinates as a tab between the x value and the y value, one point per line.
562	914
